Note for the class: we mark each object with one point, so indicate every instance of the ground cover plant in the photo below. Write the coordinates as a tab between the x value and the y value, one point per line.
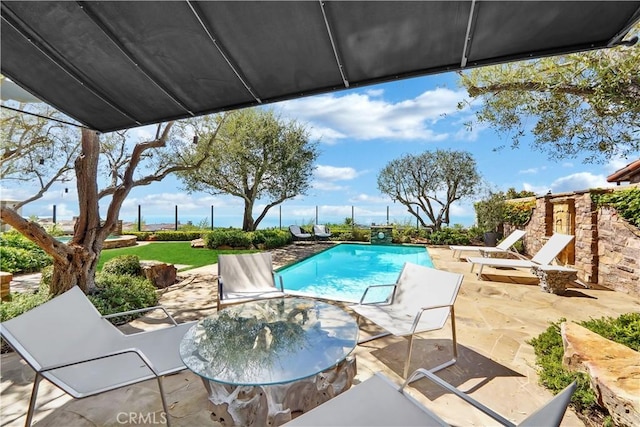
549	350
169	252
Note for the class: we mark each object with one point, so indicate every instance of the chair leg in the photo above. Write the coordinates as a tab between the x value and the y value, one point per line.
32	400
164	401
446	364
407	360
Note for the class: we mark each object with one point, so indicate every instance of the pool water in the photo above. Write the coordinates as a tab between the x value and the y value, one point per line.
343	272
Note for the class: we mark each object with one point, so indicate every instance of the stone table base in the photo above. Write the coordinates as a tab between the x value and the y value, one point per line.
272	405
554	279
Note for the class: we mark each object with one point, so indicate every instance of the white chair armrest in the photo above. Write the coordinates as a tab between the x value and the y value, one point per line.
139	353
423	373
142	310
364	295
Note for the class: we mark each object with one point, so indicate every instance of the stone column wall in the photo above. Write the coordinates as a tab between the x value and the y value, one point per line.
607	248
586	238
537	226
618	252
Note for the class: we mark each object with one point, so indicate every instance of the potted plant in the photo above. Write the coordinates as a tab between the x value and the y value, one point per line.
490	216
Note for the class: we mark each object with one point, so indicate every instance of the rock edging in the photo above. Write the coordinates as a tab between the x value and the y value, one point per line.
614	370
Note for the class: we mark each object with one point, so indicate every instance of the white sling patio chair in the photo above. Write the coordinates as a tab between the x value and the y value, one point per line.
549	415
246	277
421	300
374	402
547	253
68	342
379	402
504	246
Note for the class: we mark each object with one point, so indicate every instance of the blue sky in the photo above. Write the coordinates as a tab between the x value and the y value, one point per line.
359	131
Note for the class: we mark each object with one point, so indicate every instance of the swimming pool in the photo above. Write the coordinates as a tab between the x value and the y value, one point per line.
343	272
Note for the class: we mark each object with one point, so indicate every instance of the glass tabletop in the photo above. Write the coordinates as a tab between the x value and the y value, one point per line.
269	341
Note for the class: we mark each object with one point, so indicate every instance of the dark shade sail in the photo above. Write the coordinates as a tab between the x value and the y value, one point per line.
118	64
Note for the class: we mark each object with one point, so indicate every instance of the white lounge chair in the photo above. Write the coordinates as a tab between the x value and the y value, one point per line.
321	232
504	246
298	234
246	277
379	402
547	253
68	342
421	300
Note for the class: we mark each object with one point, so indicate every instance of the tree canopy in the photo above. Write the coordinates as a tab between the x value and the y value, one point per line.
430	182
37	148
257	156
584	104
36	152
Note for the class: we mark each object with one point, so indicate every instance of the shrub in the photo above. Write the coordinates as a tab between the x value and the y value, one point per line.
518	213
271	239
549	352
626	202
449	236
141	236
177	236
23	301
123	264
231	237
22	260
624	329
116	293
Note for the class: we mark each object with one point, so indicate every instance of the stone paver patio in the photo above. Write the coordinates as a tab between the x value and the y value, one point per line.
495	318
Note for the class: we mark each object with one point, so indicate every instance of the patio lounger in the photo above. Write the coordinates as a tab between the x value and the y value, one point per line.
503	246
547	253
379	402
246	277
298	233
421	300
68	342
321	232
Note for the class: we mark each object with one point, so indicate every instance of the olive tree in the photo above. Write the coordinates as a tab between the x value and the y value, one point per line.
125	165
430	182
256	156
585	104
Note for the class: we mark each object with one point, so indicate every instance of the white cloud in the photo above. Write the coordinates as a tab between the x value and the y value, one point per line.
532	171
327	186
616	164
375	92
579	181
574	182
333	173
537	189
366	198
360	116
567	165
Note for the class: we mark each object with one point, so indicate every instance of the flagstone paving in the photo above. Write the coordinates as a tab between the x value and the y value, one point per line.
494	320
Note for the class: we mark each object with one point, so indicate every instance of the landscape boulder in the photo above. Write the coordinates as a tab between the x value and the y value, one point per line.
159	273
614	370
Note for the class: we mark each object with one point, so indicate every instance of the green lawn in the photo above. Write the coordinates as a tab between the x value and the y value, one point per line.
169	252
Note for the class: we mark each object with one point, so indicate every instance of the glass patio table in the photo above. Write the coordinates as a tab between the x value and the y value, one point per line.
261	360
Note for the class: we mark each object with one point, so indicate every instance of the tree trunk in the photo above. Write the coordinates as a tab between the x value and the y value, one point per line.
247	222
78	269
